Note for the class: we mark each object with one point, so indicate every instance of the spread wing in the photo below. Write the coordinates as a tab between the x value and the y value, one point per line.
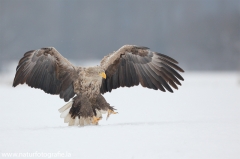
131	65
48	70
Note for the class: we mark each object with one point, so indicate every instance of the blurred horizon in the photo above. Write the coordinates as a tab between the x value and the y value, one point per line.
201	35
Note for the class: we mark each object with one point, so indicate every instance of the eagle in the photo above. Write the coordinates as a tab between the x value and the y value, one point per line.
129	66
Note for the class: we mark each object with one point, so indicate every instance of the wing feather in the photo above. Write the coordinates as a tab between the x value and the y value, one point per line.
172	71
131	65
140	76
145	77
133	74
48	70
160	80
115	80
151	81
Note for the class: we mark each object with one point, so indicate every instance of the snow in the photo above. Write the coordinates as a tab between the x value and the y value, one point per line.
200	120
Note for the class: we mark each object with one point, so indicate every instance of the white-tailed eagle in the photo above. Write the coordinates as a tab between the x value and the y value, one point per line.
129	66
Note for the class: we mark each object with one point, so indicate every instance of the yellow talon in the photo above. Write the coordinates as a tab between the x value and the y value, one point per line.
95	120
110	112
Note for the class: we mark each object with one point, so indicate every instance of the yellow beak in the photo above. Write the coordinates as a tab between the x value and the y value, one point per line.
103	75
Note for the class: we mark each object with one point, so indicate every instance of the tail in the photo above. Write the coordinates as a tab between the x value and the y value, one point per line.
65	113
78	120
80	111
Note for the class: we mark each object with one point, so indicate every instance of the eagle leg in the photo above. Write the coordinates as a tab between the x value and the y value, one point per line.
111	111
95	120
104	107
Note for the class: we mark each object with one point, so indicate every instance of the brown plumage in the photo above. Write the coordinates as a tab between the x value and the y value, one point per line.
129	66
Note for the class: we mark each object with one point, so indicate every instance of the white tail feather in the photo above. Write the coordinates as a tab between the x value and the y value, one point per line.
67	118
66	106
81	122
77	121
87	121
71	122
65	113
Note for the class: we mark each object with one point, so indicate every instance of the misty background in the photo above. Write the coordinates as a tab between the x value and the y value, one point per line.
203	35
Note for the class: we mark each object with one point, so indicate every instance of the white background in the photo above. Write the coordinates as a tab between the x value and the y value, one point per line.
200	120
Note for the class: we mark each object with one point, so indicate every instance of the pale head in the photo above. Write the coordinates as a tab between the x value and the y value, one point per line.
96	72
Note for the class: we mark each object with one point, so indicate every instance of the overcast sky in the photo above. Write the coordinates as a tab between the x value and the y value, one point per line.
200	34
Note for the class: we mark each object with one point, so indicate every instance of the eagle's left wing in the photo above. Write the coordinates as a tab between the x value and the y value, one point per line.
48	70
131	65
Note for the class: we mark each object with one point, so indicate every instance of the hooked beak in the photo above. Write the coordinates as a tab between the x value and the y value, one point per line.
103	75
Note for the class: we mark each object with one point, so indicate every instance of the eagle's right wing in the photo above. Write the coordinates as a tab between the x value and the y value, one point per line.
131	65
48	70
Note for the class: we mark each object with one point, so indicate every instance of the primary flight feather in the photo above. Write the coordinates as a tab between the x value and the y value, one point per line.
129	66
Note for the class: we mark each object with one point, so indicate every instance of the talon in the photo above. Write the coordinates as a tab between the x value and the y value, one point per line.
110	112
95	120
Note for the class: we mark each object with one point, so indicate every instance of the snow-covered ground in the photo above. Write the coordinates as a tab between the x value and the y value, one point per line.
200	120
